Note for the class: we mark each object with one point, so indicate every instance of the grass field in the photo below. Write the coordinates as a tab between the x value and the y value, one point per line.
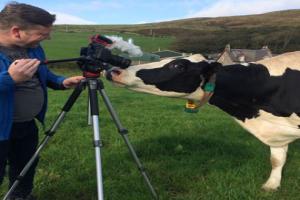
203	156
68	44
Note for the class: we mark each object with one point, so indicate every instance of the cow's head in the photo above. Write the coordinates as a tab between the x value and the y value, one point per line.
183	78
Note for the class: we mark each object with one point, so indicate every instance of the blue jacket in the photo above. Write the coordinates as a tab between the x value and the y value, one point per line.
7	89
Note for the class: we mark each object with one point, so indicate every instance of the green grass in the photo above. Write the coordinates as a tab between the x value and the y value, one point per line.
68	44
188	156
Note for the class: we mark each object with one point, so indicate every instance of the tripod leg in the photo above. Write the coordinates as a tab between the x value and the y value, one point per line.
93	85
89	117
49	134
123	133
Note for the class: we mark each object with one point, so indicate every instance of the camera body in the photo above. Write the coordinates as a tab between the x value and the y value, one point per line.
97	57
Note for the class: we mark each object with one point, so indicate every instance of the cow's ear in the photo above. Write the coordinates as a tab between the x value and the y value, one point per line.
211	68
215	66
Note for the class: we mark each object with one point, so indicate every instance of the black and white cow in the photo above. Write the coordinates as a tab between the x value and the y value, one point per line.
263	97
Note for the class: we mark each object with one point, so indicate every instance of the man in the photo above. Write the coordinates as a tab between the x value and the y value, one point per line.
23	93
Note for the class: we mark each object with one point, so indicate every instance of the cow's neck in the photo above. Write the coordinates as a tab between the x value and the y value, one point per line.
241	91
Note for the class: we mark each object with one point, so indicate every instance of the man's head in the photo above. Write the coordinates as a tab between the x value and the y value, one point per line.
25	25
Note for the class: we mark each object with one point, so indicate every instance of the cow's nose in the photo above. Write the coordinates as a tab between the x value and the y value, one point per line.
108	74
112	72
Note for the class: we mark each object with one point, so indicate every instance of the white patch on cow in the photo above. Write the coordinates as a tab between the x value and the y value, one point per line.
151	65
273	130
153	90
139	86
278	158
197	95
196	58
277	132
278	64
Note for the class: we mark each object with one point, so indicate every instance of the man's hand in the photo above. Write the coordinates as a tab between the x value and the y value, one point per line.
72	81
23	69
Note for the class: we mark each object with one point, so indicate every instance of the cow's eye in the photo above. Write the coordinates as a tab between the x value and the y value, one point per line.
179	66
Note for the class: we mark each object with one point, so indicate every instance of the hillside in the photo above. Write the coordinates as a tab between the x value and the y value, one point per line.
279	18
279	30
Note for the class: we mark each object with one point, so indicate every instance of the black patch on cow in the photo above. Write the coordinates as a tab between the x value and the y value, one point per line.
242	91
179	75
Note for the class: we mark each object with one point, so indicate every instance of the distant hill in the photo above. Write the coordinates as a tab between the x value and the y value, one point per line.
278	18
279	30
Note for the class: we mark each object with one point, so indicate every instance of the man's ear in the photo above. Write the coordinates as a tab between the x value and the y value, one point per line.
15	32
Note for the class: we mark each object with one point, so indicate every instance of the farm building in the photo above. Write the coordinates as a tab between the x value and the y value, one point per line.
169	54
231	56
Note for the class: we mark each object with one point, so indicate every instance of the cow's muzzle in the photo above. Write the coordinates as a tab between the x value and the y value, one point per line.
113	73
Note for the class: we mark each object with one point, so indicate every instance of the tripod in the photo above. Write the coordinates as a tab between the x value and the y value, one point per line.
94	84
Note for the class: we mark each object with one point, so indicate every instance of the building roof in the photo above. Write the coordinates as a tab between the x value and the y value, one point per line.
249	54
244	55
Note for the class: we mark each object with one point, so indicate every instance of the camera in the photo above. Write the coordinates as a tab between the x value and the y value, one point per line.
97	56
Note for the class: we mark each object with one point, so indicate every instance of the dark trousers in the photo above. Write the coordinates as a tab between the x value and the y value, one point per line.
16	152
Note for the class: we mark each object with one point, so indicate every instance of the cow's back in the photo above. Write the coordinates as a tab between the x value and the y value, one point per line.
278	64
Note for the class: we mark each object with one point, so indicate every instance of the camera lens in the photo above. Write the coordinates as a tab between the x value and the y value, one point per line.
119	61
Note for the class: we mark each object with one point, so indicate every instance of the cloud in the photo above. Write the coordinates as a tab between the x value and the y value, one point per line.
141	22
62	18
239	7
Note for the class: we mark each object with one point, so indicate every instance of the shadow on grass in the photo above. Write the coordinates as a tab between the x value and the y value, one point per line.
196	151
181	163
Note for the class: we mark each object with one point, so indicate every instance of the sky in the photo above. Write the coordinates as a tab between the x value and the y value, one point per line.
148	11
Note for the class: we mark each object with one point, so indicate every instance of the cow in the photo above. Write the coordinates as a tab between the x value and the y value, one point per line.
263	97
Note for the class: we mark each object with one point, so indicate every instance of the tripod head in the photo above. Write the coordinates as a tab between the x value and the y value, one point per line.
96	57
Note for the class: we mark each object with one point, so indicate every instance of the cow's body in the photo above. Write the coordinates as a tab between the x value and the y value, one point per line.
263	97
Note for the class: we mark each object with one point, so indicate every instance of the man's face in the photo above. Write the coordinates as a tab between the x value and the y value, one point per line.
31	38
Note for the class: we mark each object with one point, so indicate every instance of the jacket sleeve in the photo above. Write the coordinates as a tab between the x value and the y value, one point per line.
54	81
6	82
